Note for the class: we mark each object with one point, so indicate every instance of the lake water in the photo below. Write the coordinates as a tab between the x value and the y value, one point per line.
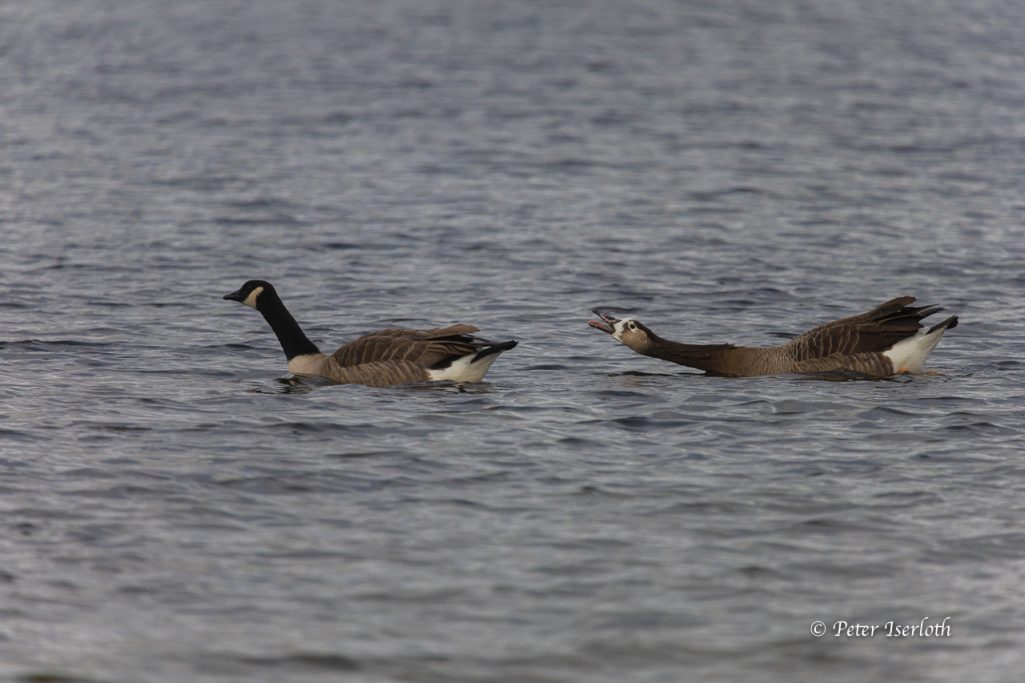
175	509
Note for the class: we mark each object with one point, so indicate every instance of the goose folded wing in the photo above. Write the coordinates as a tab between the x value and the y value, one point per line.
873	331
424	352
386	373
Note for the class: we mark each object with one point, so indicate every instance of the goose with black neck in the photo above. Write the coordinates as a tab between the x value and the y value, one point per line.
385	357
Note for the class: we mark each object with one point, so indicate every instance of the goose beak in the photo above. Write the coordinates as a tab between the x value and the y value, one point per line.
604	322
234	296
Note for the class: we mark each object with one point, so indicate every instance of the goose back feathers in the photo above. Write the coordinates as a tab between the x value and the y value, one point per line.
381	358
885	341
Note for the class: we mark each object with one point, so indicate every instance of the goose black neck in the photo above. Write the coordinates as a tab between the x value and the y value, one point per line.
294	341
707	357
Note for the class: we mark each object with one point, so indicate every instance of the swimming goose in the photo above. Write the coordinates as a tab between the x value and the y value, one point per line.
883	342
382	358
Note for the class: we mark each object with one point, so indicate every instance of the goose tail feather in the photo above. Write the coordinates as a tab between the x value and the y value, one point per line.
495	348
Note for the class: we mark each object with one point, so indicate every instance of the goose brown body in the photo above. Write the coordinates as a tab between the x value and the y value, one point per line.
882	342
400	355
382	358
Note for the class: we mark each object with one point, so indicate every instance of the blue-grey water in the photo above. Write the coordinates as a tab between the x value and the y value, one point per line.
173	508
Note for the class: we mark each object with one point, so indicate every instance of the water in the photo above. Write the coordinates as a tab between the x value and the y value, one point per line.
175	511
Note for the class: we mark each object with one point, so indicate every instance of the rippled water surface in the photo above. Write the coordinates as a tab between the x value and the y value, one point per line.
176	508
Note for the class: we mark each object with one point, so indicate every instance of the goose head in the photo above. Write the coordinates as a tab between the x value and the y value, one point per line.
632	333
249	293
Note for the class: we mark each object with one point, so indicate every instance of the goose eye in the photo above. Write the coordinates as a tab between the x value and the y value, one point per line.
632	326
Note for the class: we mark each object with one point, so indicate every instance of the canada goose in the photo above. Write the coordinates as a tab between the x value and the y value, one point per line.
382	358
883	342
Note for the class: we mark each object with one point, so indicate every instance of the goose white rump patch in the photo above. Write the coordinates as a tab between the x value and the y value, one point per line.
908	355
465	369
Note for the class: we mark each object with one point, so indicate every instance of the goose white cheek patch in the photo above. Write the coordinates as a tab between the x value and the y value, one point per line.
618	329
251	299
